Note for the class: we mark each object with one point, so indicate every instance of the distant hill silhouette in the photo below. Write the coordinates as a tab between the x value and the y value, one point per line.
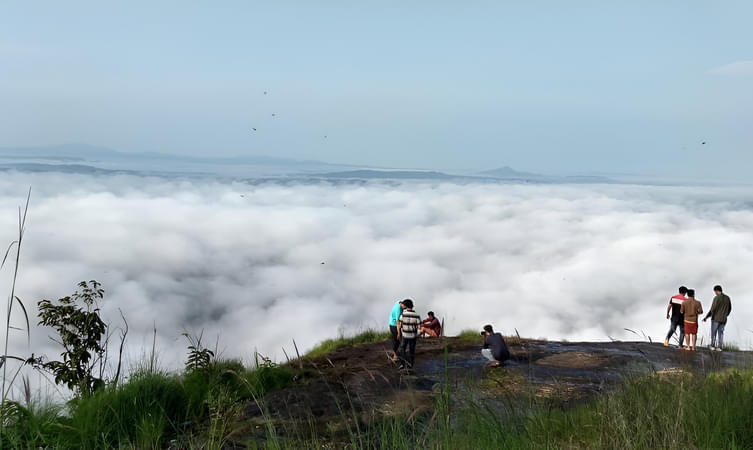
509	172
390	174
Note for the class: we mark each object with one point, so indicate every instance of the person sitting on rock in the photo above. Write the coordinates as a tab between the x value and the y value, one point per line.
495	349
430	326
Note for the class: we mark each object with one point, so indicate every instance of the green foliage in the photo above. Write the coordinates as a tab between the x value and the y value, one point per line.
470	337
80	329
199	357
680	411
150	410
330	345
28	426
218	379
144	412
267	377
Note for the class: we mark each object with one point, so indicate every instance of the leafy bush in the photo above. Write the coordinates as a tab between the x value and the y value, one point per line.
199	357
80	330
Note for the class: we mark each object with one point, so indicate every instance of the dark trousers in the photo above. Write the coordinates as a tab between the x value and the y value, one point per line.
673	326
395	340
408	352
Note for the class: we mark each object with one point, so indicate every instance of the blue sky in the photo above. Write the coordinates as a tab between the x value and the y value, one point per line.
576	87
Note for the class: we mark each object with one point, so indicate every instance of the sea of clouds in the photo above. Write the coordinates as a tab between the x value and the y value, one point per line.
257	265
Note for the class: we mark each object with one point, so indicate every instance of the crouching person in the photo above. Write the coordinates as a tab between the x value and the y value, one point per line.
495	349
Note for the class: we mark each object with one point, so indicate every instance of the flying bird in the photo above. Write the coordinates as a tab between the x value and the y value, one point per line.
273	114
265	92
703	143
253	128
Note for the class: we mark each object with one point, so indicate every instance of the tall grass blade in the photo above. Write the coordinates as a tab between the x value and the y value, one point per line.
21	228
5	258
26	316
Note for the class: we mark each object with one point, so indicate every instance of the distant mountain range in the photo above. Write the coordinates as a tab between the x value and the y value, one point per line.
85	152
54	157
87	159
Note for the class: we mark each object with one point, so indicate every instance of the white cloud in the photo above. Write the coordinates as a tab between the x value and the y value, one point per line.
737	68
571	262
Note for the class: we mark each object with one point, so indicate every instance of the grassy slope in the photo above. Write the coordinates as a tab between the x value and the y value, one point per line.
202	408
330	345
150	410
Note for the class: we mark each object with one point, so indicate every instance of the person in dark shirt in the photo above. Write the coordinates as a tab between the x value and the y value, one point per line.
430	326
675	303
495	349
720	309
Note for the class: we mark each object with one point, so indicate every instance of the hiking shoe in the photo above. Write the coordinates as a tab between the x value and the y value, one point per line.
666	342
719	349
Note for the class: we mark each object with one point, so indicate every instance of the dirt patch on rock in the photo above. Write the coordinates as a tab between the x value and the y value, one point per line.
574	360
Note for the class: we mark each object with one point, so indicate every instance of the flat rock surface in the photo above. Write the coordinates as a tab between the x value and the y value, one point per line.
361	382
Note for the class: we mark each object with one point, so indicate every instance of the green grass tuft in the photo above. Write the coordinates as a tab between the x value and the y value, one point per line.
141	413
470	337
28	426
676	411
330	345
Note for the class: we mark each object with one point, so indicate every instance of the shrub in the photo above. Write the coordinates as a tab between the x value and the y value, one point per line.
143	413
81	331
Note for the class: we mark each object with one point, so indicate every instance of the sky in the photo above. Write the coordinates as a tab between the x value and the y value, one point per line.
548	86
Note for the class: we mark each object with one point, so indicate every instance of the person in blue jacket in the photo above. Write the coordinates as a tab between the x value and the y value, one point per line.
397	310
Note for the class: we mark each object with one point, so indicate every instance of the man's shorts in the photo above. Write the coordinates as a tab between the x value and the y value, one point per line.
691	327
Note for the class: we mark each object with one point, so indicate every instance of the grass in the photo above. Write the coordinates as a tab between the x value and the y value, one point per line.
330	345
675	412
151	410
27	426
203	408
470	337
678	411
142	413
